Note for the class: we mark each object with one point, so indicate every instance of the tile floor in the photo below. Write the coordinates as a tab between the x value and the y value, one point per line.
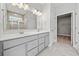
61	48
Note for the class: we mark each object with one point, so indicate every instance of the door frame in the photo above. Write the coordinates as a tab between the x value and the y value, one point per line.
73	30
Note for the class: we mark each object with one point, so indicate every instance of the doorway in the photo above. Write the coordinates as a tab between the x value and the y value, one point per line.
64	29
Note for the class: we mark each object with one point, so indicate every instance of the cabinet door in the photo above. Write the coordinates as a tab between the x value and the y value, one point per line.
32	44
16	51
46	40
41	40
41	47
33	52
14	42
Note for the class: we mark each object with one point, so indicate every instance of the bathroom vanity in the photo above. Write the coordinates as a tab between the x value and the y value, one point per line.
14	20
27	44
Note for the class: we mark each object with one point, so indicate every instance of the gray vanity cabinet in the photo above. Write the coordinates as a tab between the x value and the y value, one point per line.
24	46
43	41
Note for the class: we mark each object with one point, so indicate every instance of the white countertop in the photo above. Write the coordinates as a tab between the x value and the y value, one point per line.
18	35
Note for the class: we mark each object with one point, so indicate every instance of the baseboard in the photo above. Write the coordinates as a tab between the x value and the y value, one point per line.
63	35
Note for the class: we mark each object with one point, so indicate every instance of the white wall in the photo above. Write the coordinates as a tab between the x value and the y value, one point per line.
1	19
44	20
63	8
53	25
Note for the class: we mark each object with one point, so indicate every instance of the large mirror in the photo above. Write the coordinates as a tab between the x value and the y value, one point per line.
17	19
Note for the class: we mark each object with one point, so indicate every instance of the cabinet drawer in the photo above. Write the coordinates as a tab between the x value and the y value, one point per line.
41	47
16	51
41	40
32	44
30	38
14	42
43	34
33	52
46	41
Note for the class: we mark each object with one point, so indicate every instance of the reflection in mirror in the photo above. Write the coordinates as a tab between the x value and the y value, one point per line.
15	21
18	20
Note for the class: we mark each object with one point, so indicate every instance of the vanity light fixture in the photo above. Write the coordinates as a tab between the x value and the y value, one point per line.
34	11
21	5
14	4
38	13
26	7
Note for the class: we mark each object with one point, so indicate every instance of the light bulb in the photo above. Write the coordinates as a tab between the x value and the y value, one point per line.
26	7
34	11
38	13
14	4
21	5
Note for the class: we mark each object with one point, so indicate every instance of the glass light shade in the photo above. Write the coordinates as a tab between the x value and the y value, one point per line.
20	5
26	7
14	4
38	13
34	11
